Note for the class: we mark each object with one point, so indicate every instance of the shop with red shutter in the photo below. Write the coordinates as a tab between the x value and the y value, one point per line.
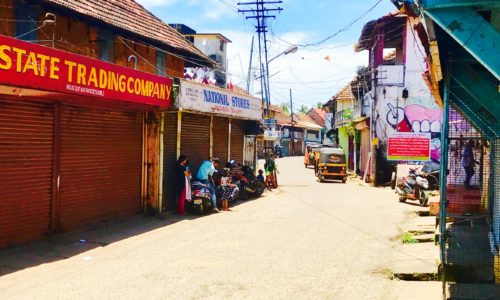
73	139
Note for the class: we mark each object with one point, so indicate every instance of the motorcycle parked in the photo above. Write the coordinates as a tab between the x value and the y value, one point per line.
201	202
414	187
248	184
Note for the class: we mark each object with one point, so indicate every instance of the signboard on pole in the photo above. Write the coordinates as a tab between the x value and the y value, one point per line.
409	146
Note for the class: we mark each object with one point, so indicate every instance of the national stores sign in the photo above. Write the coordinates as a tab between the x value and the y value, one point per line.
33	66
208	99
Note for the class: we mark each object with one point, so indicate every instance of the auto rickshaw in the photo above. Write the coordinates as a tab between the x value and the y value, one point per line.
332	164
309	156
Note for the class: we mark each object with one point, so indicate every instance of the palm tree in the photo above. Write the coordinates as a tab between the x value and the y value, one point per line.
303	109
285	107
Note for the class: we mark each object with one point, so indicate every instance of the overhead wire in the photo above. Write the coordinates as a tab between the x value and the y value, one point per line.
345	28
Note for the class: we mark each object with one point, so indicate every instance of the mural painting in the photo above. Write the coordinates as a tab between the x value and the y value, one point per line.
413	115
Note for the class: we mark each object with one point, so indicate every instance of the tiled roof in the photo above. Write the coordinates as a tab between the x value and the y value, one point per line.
131	16
318	115
321	113
300	121
345	93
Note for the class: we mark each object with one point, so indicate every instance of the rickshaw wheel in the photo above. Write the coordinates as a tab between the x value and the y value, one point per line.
344	179
320	177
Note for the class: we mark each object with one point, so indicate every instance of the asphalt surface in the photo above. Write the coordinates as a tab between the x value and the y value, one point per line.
305	240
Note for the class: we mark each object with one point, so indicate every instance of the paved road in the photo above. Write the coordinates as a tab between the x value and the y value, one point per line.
305	240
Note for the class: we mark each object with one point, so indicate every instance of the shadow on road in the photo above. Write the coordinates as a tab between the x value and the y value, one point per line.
67	245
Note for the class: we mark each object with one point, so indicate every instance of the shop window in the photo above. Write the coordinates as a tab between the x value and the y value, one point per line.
106	46
161	63
27	27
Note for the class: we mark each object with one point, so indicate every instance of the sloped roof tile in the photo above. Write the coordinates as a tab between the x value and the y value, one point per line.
345	93
131	16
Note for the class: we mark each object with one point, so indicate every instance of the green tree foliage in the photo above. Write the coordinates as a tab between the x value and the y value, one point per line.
303	109
285	107
319	105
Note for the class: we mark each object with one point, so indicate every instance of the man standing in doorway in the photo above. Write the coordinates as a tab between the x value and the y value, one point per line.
204	175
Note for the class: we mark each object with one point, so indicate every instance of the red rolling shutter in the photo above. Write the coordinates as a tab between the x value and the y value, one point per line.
237	140
169	161
195	139
221	139
100	165
26	147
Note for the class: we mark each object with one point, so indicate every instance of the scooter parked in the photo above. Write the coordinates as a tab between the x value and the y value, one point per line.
248	184
413	187
201	202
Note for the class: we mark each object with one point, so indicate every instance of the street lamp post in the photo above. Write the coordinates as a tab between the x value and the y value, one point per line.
291	49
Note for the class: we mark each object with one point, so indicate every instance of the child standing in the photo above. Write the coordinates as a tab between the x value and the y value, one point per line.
260	177
228	190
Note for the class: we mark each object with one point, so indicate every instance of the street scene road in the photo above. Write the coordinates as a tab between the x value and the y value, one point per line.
304	240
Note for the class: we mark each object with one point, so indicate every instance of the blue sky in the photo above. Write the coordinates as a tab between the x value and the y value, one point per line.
311	77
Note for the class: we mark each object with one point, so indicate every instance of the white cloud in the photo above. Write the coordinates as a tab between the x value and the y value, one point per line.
311	77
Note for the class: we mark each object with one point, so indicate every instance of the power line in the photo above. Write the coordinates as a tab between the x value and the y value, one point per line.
345	28
261	13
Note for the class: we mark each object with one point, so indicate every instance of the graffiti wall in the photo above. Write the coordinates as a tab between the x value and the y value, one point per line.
414	114
417	111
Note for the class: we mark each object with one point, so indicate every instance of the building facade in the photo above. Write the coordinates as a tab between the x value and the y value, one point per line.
81	89
402	103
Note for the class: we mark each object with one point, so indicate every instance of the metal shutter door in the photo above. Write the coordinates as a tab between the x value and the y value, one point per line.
221	139
26	147
169	161
195	139
237	140
101	154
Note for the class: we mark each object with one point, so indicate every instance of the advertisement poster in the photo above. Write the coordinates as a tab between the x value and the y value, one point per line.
409	146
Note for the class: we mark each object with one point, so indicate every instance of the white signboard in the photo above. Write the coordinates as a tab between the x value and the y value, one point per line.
208	99
271	135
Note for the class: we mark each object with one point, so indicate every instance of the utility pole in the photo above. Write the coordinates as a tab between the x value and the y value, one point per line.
373	131
293	128
250	67
261	13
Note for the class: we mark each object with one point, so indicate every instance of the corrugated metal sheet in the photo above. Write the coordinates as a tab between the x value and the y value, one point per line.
237	140
221	138
26	147
169	161
195	139
101	154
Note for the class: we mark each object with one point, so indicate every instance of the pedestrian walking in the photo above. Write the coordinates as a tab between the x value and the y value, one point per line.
271	172
468	163
183	184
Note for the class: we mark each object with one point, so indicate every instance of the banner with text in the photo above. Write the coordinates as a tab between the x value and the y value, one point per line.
409	146
203	98
34	66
